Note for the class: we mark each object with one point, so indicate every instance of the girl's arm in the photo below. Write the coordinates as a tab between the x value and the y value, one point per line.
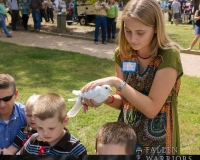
196	17
150	105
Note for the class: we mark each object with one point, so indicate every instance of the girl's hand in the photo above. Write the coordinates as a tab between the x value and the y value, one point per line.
99	82
90	102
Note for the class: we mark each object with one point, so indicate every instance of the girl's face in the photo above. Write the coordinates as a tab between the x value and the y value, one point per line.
138	34
111	1
29	118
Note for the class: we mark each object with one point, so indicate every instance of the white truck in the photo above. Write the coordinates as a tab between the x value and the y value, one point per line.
86	12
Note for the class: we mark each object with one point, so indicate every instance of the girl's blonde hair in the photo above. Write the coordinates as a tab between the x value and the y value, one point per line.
149	13
31	101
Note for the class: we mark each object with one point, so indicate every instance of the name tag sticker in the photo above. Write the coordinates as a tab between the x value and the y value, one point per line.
129	66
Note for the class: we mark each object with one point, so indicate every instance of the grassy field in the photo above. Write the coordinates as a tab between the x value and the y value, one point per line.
183	34
39	71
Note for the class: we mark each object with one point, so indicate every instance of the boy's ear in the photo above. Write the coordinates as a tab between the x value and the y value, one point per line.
66	120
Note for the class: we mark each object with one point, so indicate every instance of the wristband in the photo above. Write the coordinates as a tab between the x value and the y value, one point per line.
113	98
121	86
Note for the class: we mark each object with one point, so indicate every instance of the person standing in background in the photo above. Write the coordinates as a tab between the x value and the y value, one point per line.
24	7
176	11
50	11
2	19
111	18
14	11
169	6
100	20
43	11
35	6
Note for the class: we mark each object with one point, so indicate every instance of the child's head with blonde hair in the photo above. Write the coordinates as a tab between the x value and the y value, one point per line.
50	105
50	116
28	110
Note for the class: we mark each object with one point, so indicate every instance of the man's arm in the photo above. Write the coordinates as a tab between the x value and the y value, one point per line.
9	6
97	6
106	6
11	150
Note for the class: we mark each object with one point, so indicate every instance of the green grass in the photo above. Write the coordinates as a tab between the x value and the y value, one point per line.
189	111
39	71
183	34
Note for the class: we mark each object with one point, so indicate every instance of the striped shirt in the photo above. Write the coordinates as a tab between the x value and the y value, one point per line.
67	145
23	135
8	131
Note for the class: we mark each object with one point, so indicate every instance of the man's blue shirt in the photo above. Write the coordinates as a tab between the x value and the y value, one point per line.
9	131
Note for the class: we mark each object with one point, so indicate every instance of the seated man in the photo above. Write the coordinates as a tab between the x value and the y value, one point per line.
12	115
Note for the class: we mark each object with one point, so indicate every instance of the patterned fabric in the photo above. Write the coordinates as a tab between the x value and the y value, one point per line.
23	135
160	134
9	131
67	145
24	6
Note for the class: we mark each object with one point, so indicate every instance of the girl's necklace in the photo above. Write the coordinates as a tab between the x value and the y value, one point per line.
142	57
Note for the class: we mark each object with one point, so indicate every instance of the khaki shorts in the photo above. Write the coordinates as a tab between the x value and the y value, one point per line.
176	15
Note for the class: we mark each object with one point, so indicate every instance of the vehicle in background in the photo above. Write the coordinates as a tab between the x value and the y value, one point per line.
86	12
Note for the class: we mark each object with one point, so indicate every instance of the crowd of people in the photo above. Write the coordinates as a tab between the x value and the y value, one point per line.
148	78
106	18
178	10
39	10
183	11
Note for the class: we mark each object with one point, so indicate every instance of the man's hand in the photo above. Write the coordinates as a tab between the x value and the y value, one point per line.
0	19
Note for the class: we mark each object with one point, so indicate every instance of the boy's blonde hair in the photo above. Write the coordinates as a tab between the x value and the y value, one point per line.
148	12
49	105
118	133
31	101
